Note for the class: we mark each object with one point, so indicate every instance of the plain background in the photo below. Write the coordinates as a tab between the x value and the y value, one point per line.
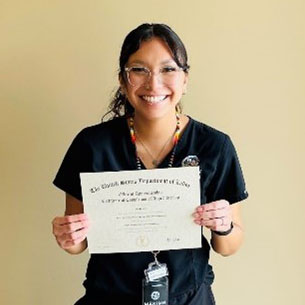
58	66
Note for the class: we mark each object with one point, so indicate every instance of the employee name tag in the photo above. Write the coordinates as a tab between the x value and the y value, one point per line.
155	284
155	292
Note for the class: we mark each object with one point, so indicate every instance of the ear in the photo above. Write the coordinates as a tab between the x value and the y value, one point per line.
122	85
186	78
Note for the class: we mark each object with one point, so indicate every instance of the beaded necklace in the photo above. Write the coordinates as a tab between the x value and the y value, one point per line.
176	138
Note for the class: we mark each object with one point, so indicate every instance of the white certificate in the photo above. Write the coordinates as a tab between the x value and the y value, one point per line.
142	210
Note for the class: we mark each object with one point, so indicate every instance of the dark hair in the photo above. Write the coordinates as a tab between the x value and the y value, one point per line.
120	105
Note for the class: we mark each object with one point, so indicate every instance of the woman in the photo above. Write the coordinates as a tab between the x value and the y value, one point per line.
148	130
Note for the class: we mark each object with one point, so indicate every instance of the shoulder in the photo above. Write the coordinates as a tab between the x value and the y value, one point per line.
103	131
207	135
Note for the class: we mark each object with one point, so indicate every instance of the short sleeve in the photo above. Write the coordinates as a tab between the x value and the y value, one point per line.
227	182
77	160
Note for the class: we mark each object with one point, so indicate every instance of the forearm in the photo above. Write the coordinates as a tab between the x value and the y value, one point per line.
229	244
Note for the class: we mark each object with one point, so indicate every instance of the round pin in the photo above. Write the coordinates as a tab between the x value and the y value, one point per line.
191	160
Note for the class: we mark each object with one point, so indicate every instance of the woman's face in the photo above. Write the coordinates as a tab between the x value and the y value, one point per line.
156	98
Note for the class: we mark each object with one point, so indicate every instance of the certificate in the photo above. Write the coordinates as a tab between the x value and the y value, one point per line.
142	210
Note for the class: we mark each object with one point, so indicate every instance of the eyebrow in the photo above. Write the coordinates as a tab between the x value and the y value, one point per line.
163	62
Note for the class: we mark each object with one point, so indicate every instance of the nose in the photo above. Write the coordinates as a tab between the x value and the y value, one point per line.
153	81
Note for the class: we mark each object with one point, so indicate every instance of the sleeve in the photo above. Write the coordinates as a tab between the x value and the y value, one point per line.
77	159
227	182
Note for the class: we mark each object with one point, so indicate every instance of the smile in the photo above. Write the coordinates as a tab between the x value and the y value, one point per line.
154	99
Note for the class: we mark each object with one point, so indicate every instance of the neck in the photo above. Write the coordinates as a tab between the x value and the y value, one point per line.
159	129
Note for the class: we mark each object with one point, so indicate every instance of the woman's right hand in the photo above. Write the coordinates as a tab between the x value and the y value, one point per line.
70	230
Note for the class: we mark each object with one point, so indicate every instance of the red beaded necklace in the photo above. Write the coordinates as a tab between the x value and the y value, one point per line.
176	138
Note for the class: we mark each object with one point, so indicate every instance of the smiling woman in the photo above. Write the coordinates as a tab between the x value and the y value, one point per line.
155	81
148	130
170	59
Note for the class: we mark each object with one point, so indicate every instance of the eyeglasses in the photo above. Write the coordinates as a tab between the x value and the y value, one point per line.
138	76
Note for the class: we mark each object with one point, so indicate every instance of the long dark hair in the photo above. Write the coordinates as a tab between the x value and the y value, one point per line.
119	105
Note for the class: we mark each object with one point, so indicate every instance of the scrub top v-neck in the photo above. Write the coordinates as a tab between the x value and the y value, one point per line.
166	160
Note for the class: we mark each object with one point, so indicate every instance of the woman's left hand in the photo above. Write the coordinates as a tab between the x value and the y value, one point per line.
216	215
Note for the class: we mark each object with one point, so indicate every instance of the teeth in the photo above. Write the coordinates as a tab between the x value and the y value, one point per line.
154	99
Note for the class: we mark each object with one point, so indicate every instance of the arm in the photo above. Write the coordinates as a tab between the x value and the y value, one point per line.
71	230
229	244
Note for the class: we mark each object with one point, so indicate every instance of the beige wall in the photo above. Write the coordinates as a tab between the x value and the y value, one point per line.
58	62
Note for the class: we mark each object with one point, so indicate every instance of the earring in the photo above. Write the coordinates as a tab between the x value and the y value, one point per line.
178	108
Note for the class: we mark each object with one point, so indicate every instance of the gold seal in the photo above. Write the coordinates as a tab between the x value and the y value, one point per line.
142	241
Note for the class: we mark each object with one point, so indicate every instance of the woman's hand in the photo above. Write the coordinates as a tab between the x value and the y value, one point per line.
70	230
216	215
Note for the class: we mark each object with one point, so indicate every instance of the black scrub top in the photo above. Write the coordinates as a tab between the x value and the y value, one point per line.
107	146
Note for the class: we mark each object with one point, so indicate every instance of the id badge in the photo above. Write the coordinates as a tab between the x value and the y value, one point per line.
155	284
155	292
